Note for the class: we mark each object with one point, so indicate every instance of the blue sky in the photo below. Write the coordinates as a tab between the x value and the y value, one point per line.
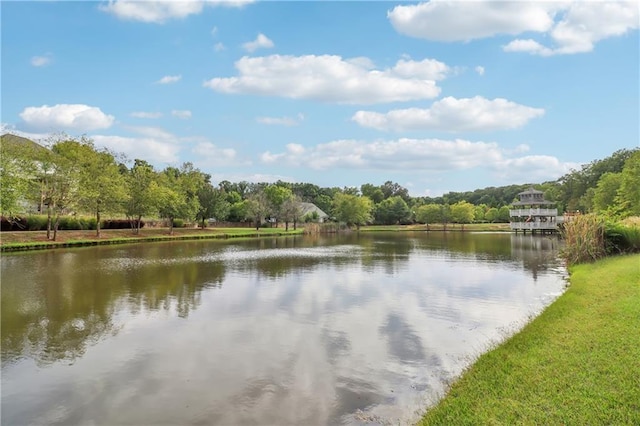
438	96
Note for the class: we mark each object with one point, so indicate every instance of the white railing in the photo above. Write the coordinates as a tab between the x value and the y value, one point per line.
533	225
533	212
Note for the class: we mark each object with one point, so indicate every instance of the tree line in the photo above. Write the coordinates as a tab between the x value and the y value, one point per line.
68	174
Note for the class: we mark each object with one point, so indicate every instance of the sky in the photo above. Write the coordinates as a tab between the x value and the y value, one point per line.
437	96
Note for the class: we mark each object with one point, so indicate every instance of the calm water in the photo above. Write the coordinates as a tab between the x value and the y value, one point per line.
305	330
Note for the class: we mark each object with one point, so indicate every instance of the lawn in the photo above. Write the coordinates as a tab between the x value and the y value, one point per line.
578	363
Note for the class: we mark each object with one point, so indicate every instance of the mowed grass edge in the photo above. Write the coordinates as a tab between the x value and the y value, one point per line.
578	363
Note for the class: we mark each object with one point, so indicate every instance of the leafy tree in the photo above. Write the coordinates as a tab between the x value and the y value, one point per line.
462	212
503	214
277	196
628	195
291	211
213	204
429	213
177	196
479	212
17	173
143	192
101	186
492	214
392	210
373	192
352	209
392	189
257	206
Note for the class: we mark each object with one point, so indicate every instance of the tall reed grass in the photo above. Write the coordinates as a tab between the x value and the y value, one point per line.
584	239
591	237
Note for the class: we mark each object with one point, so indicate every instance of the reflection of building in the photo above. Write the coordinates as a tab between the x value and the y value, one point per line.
533	213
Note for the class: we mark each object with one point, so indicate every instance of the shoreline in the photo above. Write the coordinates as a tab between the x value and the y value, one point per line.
569	365
16	241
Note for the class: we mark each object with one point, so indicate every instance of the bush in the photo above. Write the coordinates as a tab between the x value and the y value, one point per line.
36	223
178	223
120	224
620	238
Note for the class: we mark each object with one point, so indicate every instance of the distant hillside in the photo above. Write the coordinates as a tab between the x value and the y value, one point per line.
10	141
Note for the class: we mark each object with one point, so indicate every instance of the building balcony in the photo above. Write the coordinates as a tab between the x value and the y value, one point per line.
533	212
533	226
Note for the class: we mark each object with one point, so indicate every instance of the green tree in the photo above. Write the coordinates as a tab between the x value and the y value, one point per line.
352	209
429	213
393	210
17	173
291	211
257	207
213	204
462	212
101	186
277	196
503	214
143	192
373	192
628	196
492	214
177	196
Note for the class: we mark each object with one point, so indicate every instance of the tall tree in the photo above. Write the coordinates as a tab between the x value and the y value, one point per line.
393	210
257	206
143	192
277	196
629	193
213	204
462	212
352	209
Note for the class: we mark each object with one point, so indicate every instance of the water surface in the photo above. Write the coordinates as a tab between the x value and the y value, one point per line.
305	330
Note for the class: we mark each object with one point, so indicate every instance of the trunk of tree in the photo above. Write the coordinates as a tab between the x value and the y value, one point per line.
98	222
257	224
49	221
138	225
202	223
170	226
55	227
286	226
294	224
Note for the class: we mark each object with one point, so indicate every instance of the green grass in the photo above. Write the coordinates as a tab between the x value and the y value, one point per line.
578	363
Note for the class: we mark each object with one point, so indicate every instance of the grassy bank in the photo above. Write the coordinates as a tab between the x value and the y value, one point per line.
33	240
578	363
469	227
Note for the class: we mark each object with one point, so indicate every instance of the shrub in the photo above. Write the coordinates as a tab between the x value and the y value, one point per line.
120	224
620	238
178	223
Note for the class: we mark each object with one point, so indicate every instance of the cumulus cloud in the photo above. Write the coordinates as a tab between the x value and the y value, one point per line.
149	148
211	155
453	115
453	20
480	70
261	42
420	156
161	11
144	114
63	117
571	26
331	78
183	114
281	121
169	79
42	61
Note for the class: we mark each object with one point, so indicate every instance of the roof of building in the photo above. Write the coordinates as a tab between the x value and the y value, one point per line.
307	208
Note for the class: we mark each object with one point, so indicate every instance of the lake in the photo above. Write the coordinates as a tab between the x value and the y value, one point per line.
339	329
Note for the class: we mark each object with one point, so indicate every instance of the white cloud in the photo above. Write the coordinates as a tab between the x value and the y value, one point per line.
421	156
152	132
479	69
64	117
210	155
149	148
571	26
218	47
261	42
168	79
281	121
41	61
214	31
532	168
161	11
453	20
453	115
583	25
183	114
144	114
332	79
